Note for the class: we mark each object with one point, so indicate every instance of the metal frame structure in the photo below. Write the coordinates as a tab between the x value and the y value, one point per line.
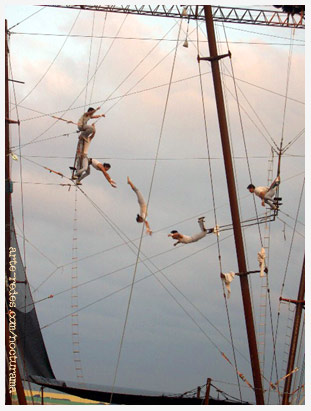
257	17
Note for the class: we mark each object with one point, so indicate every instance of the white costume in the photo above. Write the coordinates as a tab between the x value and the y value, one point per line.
261	257
83	161
141	202
227	279
186	239
85	171
84	127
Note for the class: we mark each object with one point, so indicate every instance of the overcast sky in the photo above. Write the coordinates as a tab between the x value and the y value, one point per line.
154	132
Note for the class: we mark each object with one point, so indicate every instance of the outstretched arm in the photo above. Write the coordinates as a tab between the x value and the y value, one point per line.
148	227
98	116
108	178
177	242
93	112
130	183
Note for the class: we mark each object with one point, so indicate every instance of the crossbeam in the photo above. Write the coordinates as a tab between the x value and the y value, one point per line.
240	15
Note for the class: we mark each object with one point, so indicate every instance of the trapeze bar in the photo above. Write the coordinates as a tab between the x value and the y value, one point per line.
251	272
214	58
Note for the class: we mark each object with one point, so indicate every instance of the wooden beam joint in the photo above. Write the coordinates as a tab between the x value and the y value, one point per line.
215	58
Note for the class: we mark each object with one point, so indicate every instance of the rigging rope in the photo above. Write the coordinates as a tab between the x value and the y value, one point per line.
284	278
23	217
20	33
20	168
159	86
277	190
256	116
301	133
100	157
285	103
289	63
299	358
150	189
98	54
83	87
148	201
148	276
135	68
40	141
107	219
23	229
51	64
242	130
190	218
112	98
264	89
232	75
215	216
88	68
36	248
38	11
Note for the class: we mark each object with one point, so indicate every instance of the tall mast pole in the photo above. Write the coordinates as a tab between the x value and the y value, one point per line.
8	190
7	150
295	335
234	206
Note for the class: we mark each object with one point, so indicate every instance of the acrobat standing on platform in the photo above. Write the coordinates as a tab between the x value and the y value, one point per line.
86	129
266	194
186	239
85	137
141	217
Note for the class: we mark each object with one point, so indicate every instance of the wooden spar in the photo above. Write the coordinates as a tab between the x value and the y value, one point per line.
42	395
208	387
7	157
295	335
7	189
19	385
234	207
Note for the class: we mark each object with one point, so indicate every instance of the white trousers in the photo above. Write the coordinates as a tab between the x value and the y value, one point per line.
141	202
85	170
202	234
268	198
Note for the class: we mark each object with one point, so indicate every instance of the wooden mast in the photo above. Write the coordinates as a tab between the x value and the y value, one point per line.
8	190
295	335
234	206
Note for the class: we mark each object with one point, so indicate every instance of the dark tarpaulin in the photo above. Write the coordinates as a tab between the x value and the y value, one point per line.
33	358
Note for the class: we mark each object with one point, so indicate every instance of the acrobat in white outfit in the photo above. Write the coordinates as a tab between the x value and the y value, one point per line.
186	239
141	217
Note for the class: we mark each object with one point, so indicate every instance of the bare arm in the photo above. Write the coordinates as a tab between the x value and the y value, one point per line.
177	242
130	183
98	116
262	196
108	178
148	227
